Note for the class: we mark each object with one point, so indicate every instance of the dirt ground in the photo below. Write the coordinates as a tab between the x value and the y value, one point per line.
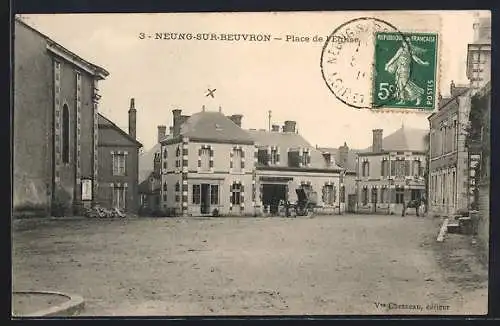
253	266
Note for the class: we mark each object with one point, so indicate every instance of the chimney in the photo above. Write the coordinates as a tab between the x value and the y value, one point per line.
275	128
377	140
289	126
162	130
452	88
176	113
132	119
236	118
343	155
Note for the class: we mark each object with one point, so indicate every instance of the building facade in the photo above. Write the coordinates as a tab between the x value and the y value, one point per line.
346	159
55	122
391	172
205	167
453	163
210	164
285	161
119	164
449	161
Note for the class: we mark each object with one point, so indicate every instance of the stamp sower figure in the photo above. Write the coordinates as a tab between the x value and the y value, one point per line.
399	65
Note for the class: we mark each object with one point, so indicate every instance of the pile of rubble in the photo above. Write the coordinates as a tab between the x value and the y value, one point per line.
101	212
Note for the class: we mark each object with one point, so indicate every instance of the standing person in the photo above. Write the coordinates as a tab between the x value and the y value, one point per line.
403	213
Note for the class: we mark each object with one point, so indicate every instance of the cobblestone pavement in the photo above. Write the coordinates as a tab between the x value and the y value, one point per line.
324	265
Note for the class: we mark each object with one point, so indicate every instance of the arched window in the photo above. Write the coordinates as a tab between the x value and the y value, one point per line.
65	134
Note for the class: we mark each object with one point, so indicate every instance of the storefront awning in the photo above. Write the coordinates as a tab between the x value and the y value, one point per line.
275	179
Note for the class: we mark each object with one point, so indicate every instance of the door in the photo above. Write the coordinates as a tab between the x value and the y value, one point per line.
205	198
351	203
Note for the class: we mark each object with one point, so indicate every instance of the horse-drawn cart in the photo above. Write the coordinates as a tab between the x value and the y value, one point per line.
306	203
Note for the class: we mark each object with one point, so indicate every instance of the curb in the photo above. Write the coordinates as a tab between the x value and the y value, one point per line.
73	306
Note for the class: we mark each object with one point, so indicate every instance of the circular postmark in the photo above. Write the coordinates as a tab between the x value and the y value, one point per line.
348	62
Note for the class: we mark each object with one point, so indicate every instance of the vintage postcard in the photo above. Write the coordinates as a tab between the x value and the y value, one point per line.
278	163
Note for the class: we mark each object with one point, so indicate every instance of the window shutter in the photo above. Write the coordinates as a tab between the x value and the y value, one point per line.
383	168
242	188
242	164
211	163
407	168
242	154
211	152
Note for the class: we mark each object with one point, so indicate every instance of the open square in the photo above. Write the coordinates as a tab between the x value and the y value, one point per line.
247	266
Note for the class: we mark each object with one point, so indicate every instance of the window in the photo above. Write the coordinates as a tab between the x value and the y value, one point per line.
196	194
407	168
374	195
119	160
383	195
119	197
342	194
165	186
177	186
329	194
204	162
306	158
366	169
237	159
178	152
164	197
400	195
274	156
417	168
399	166
236	194
364	196
165	165
385	168
65	134
214	194
165	153
262	156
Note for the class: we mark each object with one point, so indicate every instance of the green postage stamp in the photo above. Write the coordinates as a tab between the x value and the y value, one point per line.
405	70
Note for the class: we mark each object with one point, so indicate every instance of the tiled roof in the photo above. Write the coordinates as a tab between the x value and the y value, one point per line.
404	139
105	122
214	126
289	140
351	157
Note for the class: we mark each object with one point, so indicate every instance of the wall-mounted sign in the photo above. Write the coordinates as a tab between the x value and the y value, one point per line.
86	189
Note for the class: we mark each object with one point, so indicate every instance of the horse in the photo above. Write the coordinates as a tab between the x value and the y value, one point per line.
415	203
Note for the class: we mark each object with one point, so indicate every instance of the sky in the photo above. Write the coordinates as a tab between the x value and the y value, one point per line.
250	78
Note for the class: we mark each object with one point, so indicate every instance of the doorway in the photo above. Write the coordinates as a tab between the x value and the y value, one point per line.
205	198
272	194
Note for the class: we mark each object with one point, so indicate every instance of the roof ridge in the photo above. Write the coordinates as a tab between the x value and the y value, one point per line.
123	132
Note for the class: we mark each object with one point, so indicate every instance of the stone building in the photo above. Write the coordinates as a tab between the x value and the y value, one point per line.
391	171
210	162
55	123
207	165
345	158
452	162
448	166
285	161
118	164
